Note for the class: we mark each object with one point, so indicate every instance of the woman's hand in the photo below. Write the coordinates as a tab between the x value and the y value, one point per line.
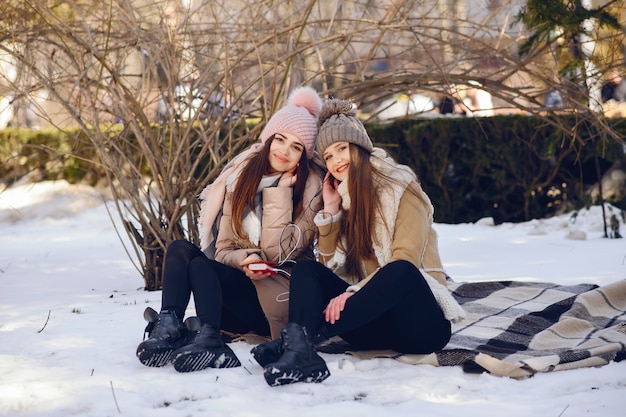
335	307
254	275
289	178
330	195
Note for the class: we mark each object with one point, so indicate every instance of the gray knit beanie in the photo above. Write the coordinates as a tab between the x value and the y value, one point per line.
338	123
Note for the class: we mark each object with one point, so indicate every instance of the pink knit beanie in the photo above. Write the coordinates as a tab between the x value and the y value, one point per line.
298	117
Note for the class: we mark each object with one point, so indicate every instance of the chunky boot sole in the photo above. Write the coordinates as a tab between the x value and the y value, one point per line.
155	357
190	361
157	354
275	376
267	353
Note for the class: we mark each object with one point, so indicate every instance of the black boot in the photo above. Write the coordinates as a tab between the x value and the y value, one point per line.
268	352
207	350
166	334
299	361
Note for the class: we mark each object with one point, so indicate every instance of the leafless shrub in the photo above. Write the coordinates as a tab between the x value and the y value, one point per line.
165	89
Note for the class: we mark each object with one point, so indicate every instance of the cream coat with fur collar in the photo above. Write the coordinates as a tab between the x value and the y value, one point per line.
410	235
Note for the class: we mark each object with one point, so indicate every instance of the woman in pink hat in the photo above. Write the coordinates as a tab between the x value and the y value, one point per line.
260	209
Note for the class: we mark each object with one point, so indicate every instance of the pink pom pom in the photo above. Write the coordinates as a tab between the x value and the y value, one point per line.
306	97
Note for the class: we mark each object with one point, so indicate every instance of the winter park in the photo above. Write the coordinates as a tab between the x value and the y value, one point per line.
158	156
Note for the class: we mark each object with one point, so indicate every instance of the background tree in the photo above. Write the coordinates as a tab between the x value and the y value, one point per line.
167	91
570	24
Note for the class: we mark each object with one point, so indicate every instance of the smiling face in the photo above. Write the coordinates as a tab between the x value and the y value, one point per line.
285	152
337	159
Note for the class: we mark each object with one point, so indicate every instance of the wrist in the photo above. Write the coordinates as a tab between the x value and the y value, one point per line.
330	210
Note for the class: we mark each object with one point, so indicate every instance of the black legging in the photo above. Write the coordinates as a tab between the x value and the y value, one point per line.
395	310
224	296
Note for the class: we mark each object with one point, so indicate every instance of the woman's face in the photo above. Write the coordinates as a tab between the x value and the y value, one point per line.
285	152
337	159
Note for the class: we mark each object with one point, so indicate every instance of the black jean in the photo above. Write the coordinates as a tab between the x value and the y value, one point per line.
395	310
224	296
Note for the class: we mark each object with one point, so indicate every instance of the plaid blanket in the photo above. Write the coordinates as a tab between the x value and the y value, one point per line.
517	329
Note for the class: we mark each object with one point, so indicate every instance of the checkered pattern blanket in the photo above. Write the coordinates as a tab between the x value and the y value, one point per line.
517	329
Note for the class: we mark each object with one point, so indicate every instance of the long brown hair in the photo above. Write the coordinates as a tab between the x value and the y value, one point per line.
358	226
248	184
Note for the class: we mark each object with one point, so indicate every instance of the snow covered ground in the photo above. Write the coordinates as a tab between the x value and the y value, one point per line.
71	305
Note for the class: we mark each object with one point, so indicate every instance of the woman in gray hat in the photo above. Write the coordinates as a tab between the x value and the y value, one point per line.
259	209
379	282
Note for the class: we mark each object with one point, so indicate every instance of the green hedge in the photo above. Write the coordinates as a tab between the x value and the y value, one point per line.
48	154
511	168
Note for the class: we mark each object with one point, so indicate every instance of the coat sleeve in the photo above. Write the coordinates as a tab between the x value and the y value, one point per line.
328	237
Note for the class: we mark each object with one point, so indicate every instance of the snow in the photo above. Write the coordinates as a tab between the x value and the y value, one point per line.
71	317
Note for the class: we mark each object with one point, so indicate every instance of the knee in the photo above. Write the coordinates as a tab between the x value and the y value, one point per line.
401	268
404	274
178	247
304	268
305	276
183	250
401	271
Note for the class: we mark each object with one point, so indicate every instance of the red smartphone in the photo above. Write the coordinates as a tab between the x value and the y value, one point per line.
262	266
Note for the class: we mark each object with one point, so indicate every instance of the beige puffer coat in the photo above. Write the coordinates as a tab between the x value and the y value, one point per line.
277	225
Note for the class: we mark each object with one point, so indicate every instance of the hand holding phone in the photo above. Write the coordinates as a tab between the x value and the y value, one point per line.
261	267
330	195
